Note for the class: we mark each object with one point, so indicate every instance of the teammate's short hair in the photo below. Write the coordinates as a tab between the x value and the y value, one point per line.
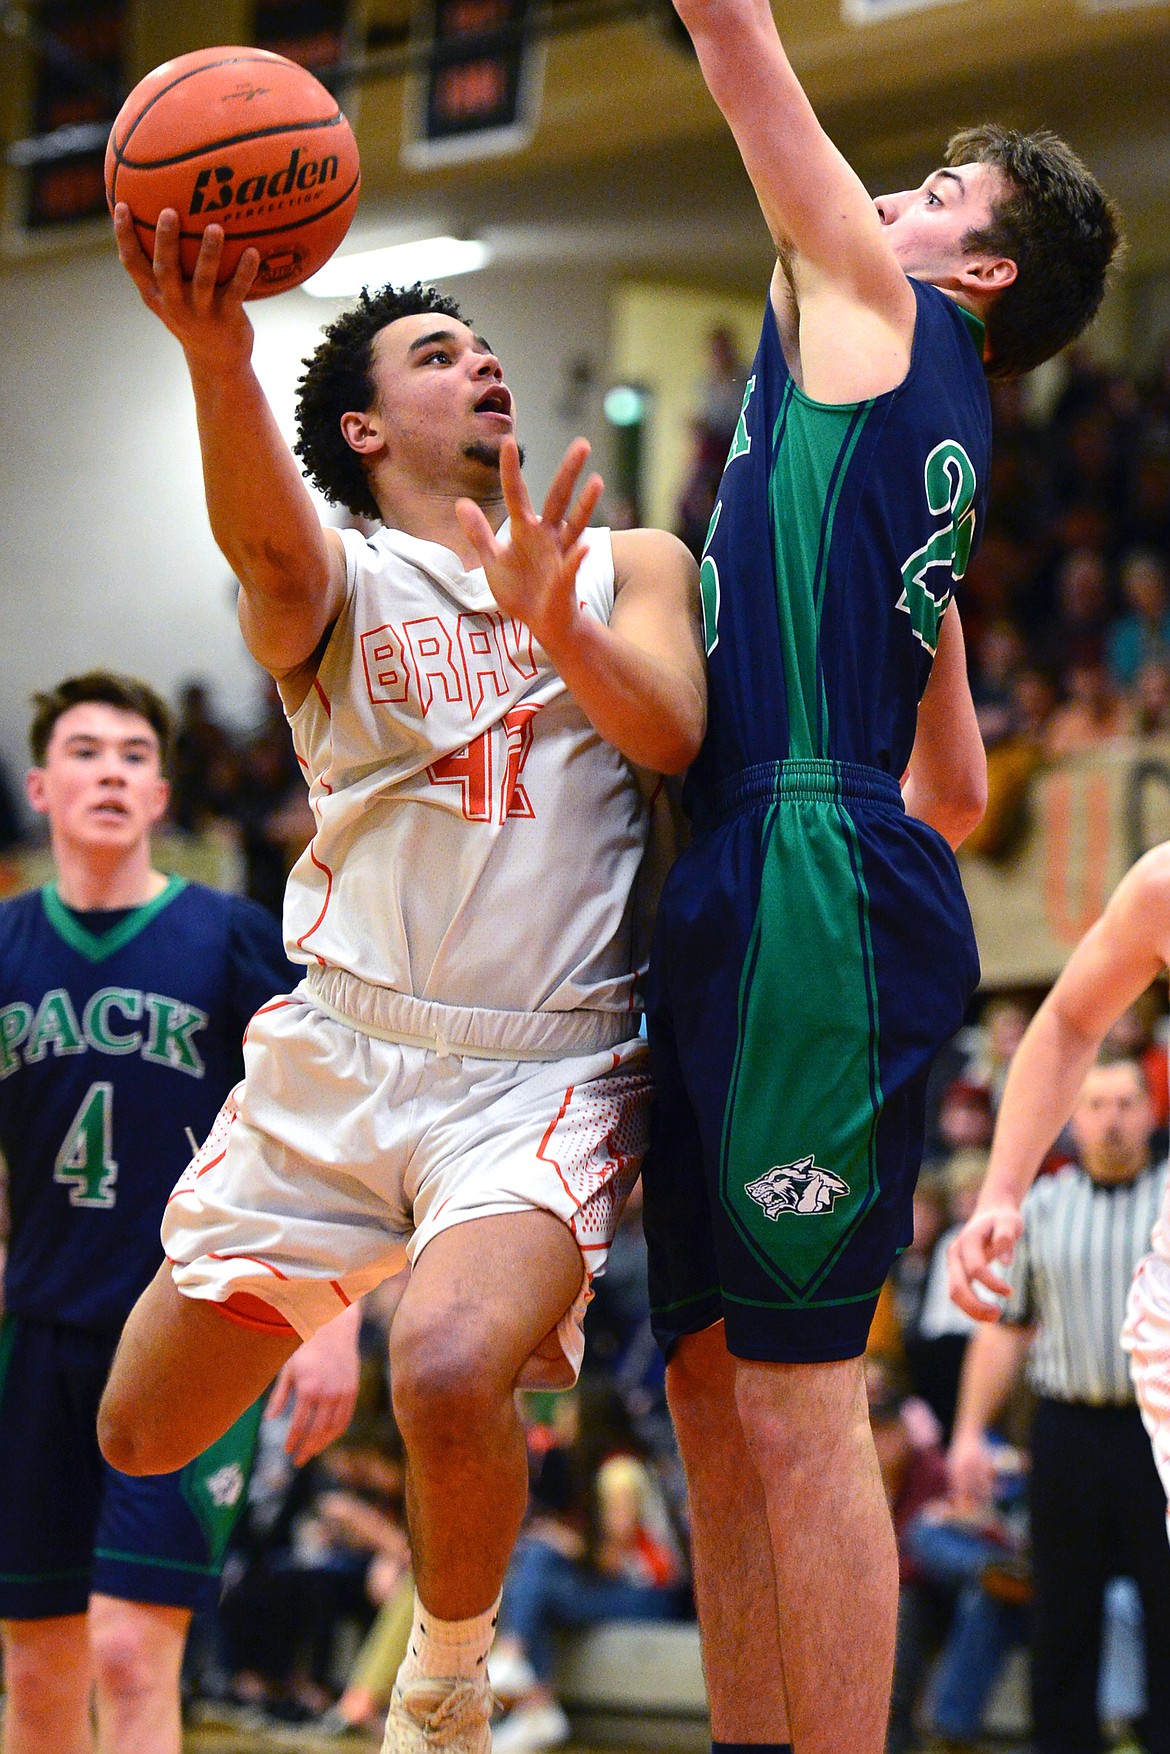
339	380
107	688
1060	229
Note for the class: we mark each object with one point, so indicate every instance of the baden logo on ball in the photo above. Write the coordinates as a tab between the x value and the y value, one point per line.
246	139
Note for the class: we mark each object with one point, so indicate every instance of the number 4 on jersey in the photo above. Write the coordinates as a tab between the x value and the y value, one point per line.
85	1162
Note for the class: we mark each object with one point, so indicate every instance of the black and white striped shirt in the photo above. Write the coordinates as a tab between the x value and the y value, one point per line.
1071	1276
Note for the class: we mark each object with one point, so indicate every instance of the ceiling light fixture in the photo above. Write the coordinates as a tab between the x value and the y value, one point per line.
398	265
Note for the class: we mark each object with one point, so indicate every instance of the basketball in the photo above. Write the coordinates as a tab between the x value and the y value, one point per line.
248	140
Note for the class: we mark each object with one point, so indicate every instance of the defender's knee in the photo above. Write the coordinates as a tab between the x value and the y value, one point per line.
123	1666
46	1672
808	1419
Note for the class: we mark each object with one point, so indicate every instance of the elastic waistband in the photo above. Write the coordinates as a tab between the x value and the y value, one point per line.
802	782
459	1029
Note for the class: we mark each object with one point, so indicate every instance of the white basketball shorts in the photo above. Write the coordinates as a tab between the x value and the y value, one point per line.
1146	1337
342	1154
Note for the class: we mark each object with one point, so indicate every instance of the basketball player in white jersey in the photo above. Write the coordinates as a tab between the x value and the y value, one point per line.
1112	965
458	1081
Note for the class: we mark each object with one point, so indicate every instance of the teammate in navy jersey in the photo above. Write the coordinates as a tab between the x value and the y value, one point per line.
814	949
124	996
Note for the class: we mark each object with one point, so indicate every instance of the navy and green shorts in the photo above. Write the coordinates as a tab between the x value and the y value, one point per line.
813	952
70	1525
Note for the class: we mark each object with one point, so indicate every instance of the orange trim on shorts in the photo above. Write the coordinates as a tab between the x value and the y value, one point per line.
267	1265
205	1167
549	1131
272	1005
345	1300
241	1308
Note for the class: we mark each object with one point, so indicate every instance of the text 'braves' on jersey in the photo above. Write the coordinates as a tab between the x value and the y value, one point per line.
450	772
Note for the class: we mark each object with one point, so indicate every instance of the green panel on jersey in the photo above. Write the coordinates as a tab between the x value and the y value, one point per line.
813	446
215	1484
799	1164
7	1340
799	1142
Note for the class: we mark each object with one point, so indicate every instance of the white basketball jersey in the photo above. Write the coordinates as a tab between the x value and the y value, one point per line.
478	843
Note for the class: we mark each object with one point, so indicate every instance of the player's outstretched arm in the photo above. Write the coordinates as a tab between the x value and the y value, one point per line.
946	781
262	515
1112	965
824	224
640	680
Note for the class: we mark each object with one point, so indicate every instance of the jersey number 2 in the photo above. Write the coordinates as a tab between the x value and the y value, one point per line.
85	1162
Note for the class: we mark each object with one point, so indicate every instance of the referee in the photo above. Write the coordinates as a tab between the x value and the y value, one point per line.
1097	1505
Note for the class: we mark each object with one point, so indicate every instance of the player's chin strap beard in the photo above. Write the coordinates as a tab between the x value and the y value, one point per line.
488	455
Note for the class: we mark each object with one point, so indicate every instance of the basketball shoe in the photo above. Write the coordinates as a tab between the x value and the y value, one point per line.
429	1713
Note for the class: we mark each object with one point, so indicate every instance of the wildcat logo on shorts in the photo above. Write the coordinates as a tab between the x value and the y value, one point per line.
802	1187
225	1487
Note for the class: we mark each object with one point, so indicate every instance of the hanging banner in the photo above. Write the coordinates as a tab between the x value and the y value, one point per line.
1088	818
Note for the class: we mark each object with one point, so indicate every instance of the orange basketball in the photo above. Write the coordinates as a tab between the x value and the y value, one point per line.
244	138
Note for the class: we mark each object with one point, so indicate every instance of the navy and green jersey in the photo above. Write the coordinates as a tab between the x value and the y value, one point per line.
118	1043
837	539
813	948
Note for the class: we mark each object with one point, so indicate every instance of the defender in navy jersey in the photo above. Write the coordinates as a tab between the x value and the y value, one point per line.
813	948
124	997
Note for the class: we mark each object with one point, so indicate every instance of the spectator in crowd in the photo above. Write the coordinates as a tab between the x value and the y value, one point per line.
1151	699
1077	633
936	1357
1095	712
1001	1030
911	1270
999	655
599	1545
204	763
1012	759
272	805
970	1575
913	1468
1142	633
1097	1505
711	432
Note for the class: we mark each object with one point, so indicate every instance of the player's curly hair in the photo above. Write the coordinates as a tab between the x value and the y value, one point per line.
128	693
338	380
1060	229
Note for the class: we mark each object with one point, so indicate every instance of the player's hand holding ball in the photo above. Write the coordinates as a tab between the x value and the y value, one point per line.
245	141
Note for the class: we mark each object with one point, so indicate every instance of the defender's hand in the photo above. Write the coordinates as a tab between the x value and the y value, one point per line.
988	1238
532	574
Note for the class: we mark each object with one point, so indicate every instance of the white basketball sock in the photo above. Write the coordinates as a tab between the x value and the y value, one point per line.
448	1649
